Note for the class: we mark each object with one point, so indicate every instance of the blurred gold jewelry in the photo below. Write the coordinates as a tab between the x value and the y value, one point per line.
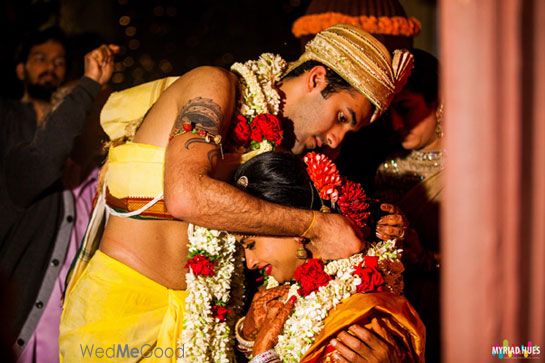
304	235
302	253
439	118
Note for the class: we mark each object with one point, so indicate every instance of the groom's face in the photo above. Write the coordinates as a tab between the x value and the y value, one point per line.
325	120
328	120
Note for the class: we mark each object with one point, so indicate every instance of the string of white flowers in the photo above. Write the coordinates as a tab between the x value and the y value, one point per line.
309	313
204	338
258	86
201	327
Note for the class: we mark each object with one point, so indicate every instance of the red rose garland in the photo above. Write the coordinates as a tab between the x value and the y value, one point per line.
262	127
201	265
310	276
371	278
266	126
240	134
221	312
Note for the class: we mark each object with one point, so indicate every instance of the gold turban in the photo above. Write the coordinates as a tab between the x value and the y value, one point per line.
362	61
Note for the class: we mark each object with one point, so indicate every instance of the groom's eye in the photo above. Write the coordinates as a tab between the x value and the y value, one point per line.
341	118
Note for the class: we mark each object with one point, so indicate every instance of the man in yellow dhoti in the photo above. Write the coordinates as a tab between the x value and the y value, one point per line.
166	177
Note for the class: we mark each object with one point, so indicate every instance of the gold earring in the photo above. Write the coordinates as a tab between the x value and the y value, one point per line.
439	118
302	253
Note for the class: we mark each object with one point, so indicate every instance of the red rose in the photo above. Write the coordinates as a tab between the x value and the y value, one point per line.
371	278
220	312
201	265
371	261
274	131
311	276
240	134
268	127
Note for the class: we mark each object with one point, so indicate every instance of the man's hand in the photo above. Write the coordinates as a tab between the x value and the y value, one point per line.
333	236
99	63
393	225
362	345
261	303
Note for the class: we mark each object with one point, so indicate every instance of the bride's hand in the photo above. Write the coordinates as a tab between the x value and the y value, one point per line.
261	303
393	225
273	325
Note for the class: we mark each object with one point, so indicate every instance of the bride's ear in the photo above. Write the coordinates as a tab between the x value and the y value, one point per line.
301	240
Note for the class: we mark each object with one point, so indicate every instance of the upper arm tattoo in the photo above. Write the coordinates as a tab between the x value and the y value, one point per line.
202	114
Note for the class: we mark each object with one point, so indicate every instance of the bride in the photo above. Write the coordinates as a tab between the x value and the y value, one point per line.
307	301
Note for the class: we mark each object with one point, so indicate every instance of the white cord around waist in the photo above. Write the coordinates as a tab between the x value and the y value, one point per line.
133	213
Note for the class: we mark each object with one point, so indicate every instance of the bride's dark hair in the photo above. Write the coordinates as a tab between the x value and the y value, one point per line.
278	177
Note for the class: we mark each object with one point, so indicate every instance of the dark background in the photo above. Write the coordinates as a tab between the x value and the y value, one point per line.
168	37
158	37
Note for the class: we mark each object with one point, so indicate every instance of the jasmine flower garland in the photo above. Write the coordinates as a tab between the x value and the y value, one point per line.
347	278
215	278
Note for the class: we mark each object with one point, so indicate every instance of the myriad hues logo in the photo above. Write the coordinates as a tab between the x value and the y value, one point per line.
522	351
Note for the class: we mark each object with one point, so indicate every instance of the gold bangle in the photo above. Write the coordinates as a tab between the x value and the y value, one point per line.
243	343
304	235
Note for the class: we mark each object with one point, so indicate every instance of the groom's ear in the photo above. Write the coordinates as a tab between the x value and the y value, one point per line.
316	78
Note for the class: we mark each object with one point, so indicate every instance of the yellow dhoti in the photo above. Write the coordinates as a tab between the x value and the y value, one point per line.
115	314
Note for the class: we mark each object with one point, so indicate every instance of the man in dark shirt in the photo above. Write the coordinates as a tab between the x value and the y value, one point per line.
36	209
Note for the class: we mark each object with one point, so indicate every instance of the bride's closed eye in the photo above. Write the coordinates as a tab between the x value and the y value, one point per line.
249	245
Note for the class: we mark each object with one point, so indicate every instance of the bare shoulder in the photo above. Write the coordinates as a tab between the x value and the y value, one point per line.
221	74
209	87
213	79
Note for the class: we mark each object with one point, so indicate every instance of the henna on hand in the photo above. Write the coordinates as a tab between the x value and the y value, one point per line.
273	326
259	308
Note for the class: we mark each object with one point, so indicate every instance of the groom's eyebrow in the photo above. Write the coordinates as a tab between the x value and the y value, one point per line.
354	120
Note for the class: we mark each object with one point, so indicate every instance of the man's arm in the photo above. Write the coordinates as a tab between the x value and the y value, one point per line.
191	194
31	168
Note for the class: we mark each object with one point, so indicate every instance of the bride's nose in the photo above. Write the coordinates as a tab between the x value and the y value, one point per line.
251	260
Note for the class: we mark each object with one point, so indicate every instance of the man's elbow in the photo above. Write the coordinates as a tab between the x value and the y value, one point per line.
181	205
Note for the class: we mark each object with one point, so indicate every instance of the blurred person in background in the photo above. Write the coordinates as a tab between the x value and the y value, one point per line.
45	195
412	178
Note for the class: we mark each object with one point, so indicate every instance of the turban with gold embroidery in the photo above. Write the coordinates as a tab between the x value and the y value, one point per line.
361	60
